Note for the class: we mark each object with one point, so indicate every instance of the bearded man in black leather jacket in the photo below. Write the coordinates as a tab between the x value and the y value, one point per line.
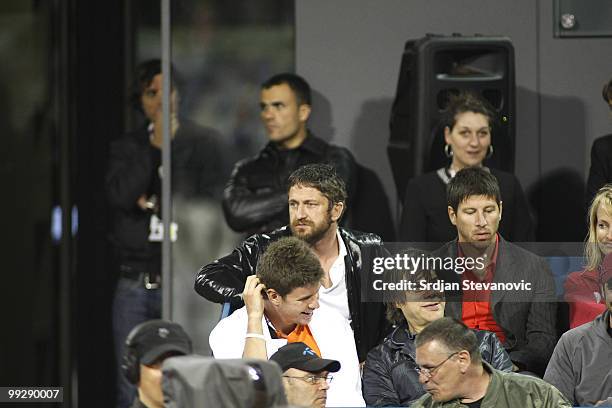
317	197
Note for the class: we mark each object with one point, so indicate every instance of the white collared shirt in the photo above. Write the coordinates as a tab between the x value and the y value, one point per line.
336	296
332	333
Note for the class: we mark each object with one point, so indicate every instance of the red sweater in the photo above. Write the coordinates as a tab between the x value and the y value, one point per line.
583	293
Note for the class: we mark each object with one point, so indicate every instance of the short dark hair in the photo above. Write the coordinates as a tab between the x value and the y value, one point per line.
453	334
298	85
472	181
392	297
466	101
145	72
606	92
324	178
287	264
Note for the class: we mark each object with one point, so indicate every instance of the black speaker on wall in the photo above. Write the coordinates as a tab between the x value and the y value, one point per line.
432	68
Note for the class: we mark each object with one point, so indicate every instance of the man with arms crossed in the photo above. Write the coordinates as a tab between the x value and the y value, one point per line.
523	319
317	198
454	375
281	304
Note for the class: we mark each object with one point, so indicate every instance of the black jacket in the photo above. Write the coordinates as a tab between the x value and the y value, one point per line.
255	198
223	280
198	168
600	172
137	403
425	214
527	317
389	374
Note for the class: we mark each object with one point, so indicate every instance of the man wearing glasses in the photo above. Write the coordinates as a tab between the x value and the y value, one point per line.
389	375
306	376
281	307
454	375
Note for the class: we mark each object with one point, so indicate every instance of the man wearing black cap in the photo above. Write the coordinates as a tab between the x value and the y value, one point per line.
306	376
146	348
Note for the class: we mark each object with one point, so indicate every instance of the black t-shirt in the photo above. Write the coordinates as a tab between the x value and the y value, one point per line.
475	404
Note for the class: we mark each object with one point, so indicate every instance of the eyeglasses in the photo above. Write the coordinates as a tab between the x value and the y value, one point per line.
313	379
431	371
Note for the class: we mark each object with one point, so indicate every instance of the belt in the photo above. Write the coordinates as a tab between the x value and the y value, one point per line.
149	280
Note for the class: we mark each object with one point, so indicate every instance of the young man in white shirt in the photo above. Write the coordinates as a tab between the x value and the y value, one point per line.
282	306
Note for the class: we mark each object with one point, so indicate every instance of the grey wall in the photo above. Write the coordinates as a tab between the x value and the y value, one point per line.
350	52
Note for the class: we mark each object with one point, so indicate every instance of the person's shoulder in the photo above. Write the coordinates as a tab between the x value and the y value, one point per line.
329	315
425	179
424	401
394	341
575	336
585	277
234	324
275	235
447	249
540	390
191	128
256	162
137	137
504	178
484	336
519	252
262	240
331	151
603	143
238	317
361	238
530	384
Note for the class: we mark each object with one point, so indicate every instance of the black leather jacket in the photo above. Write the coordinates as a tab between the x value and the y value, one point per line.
223	280
389	375
255	198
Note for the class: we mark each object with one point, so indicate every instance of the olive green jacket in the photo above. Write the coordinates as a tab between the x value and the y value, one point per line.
508	390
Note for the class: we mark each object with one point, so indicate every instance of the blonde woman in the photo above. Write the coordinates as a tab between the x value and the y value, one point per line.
583	288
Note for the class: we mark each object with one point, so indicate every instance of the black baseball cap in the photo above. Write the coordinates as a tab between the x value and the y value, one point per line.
302	357
155	338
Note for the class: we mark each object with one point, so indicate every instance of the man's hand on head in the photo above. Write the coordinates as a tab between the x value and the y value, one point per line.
253	297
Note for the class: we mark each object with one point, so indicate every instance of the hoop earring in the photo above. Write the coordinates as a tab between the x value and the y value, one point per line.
448	152
490	153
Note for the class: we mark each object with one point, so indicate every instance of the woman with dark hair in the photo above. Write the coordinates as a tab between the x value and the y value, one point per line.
389	373
583	288
467	126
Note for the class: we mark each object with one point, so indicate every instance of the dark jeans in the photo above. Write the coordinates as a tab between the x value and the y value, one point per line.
132	305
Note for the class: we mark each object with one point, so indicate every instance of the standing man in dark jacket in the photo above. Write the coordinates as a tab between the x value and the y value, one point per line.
255	199
133	187
523	315
317	198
